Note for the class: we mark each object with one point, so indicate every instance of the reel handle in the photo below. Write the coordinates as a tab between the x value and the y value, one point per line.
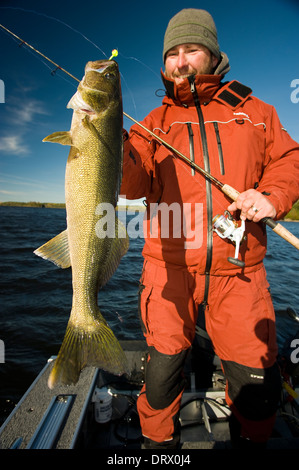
275	226
236	261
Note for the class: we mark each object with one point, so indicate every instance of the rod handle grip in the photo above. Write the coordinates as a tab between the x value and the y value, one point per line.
282	231
232	193
275	226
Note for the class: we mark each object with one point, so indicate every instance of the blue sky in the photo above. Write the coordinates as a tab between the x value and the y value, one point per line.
260	37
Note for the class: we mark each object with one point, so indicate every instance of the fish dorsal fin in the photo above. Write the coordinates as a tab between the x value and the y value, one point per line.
63	138
56	250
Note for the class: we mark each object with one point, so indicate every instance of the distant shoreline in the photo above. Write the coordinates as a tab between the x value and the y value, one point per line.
292	216
54	205
51	205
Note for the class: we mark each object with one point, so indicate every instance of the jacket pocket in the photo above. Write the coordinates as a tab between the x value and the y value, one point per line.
219	145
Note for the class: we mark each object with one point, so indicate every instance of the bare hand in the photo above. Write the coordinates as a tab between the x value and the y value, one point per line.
253	206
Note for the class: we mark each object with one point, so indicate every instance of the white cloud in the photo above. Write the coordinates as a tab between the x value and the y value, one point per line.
13	144
26	113
23	189
9	179
19	113
10	193
22	112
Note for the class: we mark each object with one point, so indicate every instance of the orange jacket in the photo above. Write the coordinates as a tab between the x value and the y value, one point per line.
234	136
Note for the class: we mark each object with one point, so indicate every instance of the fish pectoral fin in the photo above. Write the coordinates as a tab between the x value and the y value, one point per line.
63	138
119	247
81	348
56	250
89	125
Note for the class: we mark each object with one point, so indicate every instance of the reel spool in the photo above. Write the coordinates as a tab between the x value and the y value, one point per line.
226	227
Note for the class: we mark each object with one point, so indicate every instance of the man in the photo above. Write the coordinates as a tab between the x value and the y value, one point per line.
238	139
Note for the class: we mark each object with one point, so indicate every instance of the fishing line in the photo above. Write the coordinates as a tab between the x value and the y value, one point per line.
38	52
229	191
58	21
130	93
36	56
141	63
144	65
81	34
88	40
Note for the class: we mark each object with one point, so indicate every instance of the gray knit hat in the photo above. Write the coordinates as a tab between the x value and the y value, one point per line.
192	26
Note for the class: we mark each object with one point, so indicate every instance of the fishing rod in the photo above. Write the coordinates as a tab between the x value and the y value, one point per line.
225	188
38	52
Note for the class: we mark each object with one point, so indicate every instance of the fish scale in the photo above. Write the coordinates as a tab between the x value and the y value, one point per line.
92	178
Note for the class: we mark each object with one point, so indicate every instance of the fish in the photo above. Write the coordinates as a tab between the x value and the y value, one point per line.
92	183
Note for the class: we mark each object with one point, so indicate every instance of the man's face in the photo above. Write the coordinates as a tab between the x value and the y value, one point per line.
188	59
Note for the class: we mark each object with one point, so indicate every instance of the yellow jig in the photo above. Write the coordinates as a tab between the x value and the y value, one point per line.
114	54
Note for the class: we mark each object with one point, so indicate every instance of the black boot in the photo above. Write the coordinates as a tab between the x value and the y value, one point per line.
239	442
174	443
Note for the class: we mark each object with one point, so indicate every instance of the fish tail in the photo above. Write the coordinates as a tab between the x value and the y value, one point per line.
81	348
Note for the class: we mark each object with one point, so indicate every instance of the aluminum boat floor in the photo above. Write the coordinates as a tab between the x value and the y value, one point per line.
73	426
19	428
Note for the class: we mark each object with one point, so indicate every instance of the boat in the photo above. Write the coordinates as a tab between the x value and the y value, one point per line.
99	412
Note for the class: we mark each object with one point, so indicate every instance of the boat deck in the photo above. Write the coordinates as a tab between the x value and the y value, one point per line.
63	418
20	427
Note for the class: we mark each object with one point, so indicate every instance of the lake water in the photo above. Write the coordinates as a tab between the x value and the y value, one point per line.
36	296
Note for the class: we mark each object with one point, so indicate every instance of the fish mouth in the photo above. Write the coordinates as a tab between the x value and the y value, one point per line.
78	104
100	69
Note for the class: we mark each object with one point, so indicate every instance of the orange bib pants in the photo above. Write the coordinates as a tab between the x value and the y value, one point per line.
240	321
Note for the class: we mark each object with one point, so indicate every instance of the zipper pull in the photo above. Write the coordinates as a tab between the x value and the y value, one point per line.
191	80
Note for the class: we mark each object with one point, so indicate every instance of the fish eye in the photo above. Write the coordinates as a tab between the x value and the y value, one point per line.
109	75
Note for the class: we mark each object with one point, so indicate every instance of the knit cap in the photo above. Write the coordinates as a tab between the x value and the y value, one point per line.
192	26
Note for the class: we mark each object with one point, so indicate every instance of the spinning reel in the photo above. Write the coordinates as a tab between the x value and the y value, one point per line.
226	227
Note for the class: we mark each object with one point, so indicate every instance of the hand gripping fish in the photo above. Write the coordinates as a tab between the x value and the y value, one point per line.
92	182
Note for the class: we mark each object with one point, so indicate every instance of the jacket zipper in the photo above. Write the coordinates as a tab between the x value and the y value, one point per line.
191	146
220	153
208	188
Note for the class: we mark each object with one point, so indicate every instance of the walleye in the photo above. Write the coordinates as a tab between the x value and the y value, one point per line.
92	178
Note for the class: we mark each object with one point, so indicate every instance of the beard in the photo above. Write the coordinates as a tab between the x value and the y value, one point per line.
206	68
